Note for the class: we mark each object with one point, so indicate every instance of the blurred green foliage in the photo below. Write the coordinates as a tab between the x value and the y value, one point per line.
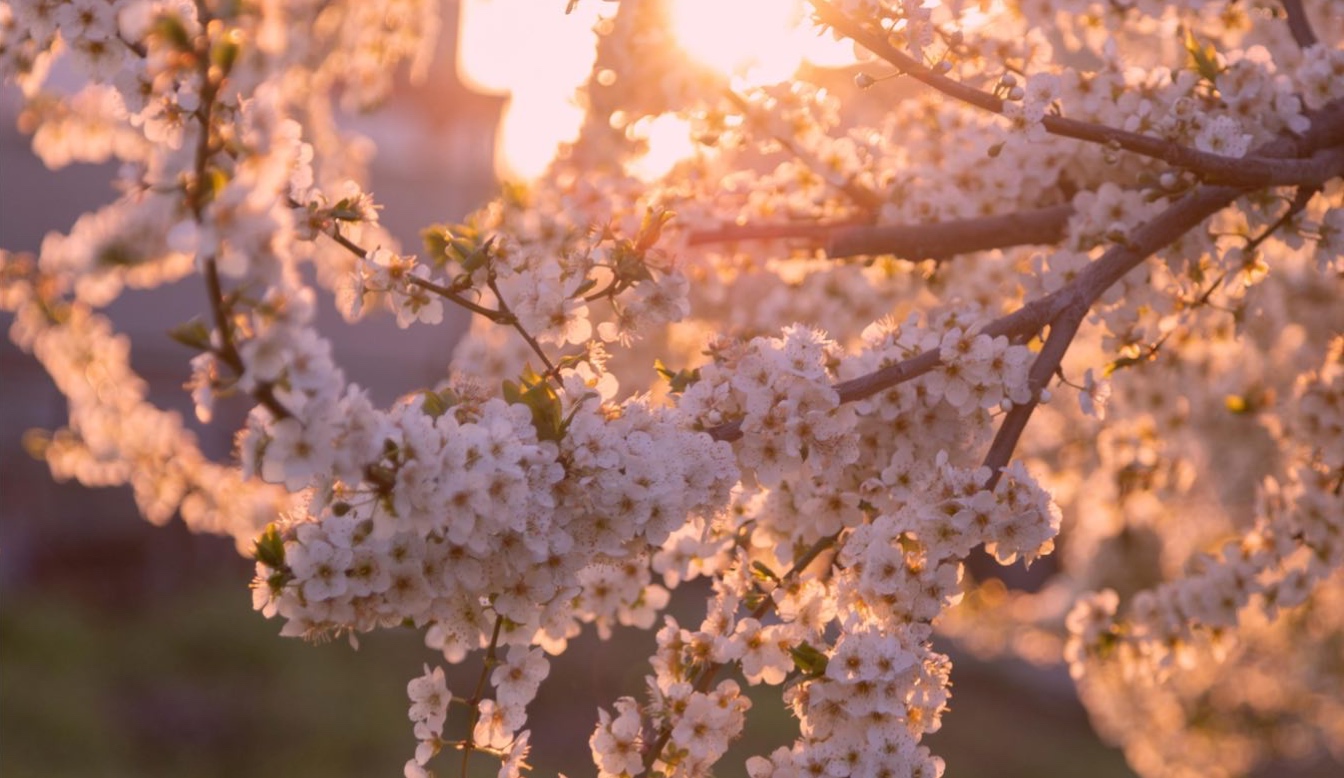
188	681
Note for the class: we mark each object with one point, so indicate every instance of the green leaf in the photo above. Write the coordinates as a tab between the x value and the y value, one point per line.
436	404
171	28
193	334
1205	57
1124	362
456	243
269	548
678	381
651	229
347	210
225	52
435	238
540	397
762	572
808	660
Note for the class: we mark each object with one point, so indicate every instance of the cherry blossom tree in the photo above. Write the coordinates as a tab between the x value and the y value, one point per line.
1018	272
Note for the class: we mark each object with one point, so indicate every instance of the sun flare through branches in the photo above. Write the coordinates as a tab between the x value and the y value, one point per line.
754	41
1034	271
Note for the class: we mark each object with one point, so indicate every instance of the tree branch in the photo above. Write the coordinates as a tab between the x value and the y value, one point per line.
1084	290
946	239
512	320
935	240
941	240
1251	170
1062	332
1326	131
196	195
1298	23
817	232
448	294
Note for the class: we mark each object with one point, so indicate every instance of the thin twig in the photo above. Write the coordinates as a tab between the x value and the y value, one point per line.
442	291
227	351
1299	204
487	664
866	199
512	320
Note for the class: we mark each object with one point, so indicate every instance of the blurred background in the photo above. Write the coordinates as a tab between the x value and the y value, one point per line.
130	650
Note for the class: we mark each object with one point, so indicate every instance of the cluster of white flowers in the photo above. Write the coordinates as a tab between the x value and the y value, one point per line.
696	726
115	435
1279	564
865	714
451	520
385	271
781	390
430	699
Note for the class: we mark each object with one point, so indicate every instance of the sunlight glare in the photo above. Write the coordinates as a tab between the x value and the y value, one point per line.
539	59
756	41
669	139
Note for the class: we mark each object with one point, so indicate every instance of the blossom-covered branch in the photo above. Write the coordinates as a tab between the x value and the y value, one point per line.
1252	170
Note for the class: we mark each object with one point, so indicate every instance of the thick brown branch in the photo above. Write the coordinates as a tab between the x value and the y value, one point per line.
941	240
816	232
1075	300
1298	23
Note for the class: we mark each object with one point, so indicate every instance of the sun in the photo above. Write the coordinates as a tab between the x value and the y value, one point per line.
753	41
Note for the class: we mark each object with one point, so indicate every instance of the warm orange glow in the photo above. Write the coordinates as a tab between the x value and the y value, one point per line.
541	58
669	139
755	41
